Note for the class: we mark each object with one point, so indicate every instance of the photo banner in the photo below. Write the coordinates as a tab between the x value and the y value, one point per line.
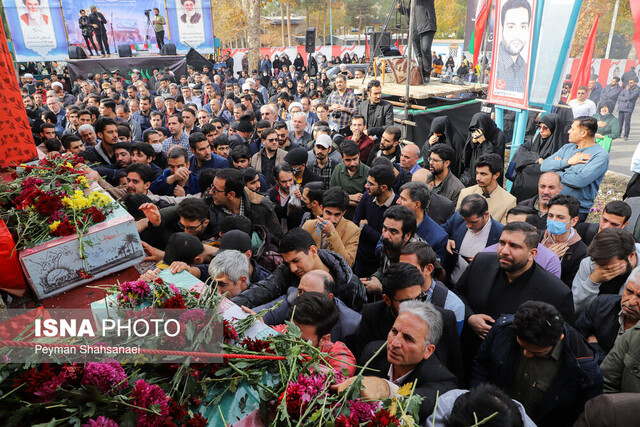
36	29
190	25
509	83
127	17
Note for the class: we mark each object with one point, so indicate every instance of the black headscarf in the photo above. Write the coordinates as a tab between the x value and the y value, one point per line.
557	139
451	136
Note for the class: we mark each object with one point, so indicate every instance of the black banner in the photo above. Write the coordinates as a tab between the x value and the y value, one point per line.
146	64
197	61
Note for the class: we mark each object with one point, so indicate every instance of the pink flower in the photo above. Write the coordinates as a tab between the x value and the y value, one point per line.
195	316
363	411
131	292
175	290
108	376
101	421
145	395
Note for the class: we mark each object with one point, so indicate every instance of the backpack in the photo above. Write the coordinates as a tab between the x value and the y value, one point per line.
268	254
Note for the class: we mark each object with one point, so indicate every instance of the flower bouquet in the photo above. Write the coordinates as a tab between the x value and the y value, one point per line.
67	231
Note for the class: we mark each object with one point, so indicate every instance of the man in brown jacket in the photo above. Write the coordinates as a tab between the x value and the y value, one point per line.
269	156
331	230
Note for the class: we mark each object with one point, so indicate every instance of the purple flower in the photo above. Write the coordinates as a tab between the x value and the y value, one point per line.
108	376
101	421
363	411
132	291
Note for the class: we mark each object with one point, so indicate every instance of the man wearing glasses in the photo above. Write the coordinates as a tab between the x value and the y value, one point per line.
439	163
403	282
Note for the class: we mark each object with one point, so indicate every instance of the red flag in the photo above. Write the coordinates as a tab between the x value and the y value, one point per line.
478	31
16	141
635	12
584	69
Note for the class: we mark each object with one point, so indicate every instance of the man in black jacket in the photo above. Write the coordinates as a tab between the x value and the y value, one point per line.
409	359
300	256
98	22
377	113
541	362
424	29
494	285
403	282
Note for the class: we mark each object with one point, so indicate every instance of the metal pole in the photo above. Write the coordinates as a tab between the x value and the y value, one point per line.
331	22
412	17
613	26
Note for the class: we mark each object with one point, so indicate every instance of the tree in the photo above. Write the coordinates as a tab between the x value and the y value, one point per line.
251	9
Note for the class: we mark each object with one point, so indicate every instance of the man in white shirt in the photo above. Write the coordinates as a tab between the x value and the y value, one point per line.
582	106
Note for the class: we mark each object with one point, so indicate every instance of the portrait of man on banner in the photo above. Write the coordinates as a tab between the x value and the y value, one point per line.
512	50
190	16
34	17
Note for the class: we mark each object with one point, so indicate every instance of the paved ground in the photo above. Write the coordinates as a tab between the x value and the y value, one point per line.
621	151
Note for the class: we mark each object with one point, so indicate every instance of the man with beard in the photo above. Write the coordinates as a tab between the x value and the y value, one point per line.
493	285
612	255
377	113
139	179
269	155
512	68
389	145
403	282
445	184
202	157
350	175
321	164
360	136
369	216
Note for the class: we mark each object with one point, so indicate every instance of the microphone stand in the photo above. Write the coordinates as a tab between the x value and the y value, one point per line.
113	35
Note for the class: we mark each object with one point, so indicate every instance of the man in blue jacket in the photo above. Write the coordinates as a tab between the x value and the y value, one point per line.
580	164
540	361
627	98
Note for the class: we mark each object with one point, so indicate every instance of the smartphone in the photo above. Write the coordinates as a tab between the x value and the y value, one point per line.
466	258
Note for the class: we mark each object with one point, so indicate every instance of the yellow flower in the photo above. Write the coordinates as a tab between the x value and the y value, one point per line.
405	390
99	199
54	226
82	180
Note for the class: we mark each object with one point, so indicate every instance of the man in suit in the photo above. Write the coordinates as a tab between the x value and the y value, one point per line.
470	230
377	113
409	358
494	285
98	22
489	167
403	282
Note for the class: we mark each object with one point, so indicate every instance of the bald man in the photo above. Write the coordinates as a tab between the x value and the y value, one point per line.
409	158
440	209
315	281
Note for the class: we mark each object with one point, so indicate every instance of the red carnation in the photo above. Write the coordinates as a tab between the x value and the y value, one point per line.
65	228
175	301
96	214
197	421
229	331
48	204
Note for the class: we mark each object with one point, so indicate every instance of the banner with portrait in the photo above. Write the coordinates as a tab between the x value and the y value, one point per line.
509	83
127	17
36	29
190	25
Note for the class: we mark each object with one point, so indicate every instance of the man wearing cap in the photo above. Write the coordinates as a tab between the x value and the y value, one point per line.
321	164
297	159
169	108
269	155
98	22
243	133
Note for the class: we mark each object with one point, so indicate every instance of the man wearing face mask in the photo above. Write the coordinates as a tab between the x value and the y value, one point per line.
562	238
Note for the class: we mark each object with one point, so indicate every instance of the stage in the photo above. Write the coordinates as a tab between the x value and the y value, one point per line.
435	89
82	67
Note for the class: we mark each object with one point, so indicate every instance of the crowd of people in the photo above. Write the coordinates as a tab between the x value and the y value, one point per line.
281	188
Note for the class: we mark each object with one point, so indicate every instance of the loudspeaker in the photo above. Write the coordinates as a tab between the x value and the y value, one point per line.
385	42
124	51
77	52
168	49
310	40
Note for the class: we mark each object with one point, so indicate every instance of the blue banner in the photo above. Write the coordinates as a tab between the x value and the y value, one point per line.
126	21
36	29
190	25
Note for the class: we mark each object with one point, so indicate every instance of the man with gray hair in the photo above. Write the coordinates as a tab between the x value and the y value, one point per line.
88	135
55	106
409	358
268	113
230	271
300	137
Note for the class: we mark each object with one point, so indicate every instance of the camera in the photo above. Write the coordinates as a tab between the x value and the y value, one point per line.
336	114
147	13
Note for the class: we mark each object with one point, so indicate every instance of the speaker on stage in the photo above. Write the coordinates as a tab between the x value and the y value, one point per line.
168	49
385	43
310	40
124	51
77	52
